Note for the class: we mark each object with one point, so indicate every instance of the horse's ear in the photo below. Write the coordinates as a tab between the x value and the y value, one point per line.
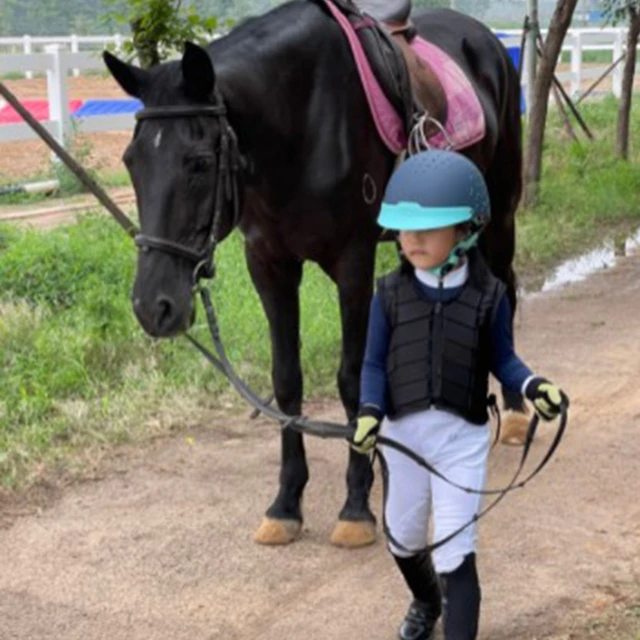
132	79
198	72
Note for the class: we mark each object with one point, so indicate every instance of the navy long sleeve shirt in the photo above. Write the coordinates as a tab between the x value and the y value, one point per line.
506	366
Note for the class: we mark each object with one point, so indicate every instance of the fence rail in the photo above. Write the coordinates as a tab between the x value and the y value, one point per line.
611	41
57	64
60	56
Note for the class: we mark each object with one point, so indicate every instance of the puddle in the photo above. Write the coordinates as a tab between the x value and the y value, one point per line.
604	257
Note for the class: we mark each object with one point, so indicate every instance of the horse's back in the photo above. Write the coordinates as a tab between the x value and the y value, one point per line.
488	66
480	55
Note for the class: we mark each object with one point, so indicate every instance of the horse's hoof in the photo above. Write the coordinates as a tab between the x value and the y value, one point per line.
353	535
277	532
514	429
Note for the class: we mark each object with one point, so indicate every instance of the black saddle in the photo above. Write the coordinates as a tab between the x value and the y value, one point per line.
375	21
392	11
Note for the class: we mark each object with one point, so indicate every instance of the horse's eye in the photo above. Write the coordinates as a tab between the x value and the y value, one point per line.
127	156
200	164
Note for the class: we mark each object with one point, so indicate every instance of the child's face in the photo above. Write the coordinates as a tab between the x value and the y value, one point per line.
428	249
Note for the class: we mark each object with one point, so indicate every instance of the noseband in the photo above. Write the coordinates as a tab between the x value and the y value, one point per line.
228	159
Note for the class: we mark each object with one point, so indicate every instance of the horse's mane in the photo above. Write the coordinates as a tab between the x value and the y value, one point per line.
260	30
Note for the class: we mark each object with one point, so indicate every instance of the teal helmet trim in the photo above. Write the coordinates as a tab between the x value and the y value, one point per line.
438	179
410	216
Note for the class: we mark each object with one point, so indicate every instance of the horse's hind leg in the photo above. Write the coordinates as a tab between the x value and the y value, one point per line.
277	285
354	275
504	179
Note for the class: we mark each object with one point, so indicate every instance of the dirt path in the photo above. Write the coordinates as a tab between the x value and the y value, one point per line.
159	545
24	160
50	214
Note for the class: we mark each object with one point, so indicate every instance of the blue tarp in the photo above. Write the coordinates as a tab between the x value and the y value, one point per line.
515	53
107	108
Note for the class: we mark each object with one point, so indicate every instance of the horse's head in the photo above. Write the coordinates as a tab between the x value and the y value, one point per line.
175	160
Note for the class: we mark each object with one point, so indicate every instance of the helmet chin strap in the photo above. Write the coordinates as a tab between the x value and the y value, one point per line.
458	253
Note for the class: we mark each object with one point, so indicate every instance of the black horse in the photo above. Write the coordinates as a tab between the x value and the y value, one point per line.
294	99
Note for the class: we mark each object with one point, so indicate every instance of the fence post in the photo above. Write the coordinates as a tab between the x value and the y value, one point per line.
576	64
75	49
618	50
57	93
27	50
117	39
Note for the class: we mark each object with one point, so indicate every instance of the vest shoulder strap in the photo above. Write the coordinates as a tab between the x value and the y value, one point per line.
387	288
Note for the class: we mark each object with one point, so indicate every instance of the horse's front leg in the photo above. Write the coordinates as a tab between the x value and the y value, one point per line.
354	275
277	284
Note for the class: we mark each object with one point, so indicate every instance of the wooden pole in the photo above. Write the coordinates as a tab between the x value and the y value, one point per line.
532	51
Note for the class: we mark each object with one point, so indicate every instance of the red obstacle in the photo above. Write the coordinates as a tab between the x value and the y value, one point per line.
39	109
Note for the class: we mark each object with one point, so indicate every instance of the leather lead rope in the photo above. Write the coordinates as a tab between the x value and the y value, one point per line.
221	362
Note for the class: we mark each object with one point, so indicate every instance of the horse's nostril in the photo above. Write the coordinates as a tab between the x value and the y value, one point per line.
164	311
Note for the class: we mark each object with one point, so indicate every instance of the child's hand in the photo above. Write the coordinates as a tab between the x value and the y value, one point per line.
548	399
364	439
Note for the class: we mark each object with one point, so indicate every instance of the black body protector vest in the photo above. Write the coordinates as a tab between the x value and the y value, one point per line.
439	352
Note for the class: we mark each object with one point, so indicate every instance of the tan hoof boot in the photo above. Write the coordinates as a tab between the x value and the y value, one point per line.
514	429
353	535
277	532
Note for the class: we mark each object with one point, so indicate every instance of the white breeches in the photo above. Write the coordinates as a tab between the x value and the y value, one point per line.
456	448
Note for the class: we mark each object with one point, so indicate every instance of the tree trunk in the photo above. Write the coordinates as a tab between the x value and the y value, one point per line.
146	50
560	23
624	111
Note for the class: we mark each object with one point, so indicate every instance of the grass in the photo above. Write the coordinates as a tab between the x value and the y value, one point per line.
590	57
77	373
69	185
621	623
586	193
76	369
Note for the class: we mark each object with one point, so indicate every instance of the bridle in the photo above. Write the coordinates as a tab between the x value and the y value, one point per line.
229	163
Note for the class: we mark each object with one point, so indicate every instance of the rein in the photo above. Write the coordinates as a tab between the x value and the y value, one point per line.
227	192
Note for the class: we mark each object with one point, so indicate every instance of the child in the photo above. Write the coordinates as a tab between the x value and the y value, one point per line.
439	325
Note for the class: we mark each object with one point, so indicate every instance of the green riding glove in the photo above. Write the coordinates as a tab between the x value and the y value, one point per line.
548	399
364	439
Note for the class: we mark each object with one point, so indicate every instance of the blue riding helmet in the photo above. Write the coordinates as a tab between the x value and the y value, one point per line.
435	189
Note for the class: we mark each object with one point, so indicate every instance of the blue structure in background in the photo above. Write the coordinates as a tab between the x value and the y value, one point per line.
595	17
107	108
515	53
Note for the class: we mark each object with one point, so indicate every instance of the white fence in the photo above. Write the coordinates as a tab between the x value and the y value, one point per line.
74	43
58	62
610	41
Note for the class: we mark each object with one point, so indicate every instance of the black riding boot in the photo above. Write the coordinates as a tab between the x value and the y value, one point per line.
426	607
461	599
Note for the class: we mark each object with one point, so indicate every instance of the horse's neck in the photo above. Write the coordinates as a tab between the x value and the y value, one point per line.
268	67
283	78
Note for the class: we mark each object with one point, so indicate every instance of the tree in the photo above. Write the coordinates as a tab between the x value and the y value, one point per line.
560	23
160	27
618	11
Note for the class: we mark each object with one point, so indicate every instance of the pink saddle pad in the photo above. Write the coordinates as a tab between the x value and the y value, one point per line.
465	122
